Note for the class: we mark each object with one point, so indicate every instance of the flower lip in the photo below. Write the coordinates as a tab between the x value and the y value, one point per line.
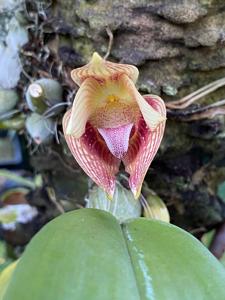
117	139
110	122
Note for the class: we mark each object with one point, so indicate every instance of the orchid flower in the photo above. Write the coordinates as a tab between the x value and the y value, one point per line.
110	122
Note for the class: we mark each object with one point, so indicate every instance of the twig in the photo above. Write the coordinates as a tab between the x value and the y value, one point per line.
52	108
9	114
68	167
17	178
198	230
36	147
206	112
52	198
56	132
110	35
191	98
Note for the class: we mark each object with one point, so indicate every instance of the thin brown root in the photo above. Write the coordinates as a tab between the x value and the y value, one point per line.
52	198
191	98
206	112
110	35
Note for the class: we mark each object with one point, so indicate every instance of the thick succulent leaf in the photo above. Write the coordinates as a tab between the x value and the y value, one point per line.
85	255
81	255
171	264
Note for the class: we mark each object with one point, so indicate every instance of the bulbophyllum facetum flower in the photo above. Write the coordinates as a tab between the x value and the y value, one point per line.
111	122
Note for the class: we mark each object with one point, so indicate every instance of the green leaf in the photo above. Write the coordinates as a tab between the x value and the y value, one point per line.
80	255
171	264
5	277
85	254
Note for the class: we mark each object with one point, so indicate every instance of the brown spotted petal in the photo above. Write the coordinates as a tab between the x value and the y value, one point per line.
143	146
93	156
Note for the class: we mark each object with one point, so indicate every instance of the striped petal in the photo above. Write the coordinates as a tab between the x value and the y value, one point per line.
144	144
102	70
93	156
83	107
151	116
105	105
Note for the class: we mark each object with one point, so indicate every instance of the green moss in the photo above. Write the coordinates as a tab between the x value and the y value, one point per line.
176	139
84	46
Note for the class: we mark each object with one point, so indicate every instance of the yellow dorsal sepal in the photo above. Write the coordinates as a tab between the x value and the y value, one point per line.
98	66
96	59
